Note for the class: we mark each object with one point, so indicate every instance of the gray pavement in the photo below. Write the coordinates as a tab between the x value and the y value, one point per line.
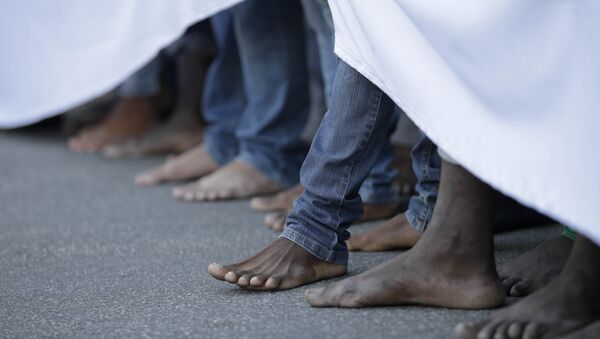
85	253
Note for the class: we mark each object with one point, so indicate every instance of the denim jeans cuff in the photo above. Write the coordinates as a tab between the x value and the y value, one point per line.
220	157
315	248
380	199
419	223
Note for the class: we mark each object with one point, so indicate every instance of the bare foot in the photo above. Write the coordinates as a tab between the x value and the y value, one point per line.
569	303
194	163
168	138
451	266
588	332
276	220
281	265
281	201
536	268
394	234
130	118
235	180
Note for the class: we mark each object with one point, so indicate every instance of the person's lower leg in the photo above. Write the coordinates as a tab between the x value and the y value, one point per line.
452	265
339	159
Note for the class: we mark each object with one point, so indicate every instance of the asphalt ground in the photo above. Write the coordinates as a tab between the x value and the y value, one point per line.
86	253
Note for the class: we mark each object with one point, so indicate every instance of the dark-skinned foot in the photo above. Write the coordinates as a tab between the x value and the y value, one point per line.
588	332
394	234
566	305
536	268
451	266
281	265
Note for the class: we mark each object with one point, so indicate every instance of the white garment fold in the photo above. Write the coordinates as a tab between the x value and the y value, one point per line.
508	88
58	54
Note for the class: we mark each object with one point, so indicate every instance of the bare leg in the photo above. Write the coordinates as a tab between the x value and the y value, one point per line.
184	128
129	118
569	303
451	266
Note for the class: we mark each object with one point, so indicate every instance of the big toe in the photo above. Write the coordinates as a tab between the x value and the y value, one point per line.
316	297
466	331
149	178
263	204
217	271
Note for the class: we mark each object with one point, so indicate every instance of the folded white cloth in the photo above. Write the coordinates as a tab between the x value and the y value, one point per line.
508	88
58	54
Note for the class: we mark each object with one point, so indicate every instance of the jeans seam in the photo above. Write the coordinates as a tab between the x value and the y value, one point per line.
349	168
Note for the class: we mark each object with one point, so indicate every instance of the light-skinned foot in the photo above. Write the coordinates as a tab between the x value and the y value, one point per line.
193	163
236	180
281	265
394	234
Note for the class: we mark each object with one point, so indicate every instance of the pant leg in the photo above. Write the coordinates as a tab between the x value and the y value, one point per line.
379	186
224	98
427	166
342	153
145	82
319	19
271	41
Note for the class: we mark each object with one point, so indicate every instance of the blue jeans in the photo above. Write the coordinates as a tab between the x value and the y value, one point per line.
342	154
427	166
272	62
379	187
146	82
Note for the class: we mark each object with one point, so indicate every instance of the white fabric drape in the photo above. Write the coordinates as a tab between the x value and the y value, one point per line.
509	88
57	54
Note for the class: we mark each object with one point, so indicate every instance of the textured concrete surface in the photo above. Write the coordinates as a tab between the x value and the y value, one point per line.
84	253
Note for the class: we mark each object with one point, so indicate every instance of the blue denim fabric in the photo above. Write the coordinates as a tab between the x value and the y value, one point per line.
343	152
379	187
319	19
224	98
271	45
145	82
271	42
427	166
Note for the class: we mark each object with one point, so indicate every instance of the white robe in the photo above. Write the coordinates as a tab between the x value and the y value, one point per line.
509	88
55	55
